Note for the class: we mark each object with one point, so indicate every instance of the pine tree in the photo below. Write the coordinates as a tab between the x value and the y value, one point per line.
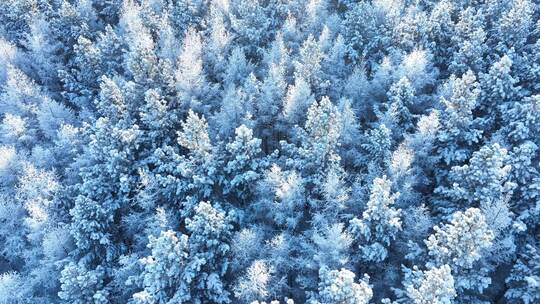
334	67
365	33
140	59
483	182
190	78
520	120
250	24
460	242
441	29
299	98
379	224
323	130
209	237
185	14
254	284
162	278
192	170
108	178
435	285
377	145
272	93
470	43
308	66
238	68
498	90
400	103
459	130
515	25
91	60
282	196
338	286
83	285
244	163
332	246
460	245
524	277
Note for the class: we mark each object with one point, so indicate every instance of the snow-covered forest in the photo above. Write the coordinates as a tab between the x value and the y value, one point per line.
269	151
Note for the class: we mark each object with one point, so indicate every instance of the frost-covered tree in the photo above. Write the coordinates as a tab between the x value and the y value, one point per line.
82	285
459	129
323	129
483	182
515	25
250	24
379	224
435	285
461	241
162	278
524	277
209	237
378	144
244	164
308	66
469	42
282	195
298	99
460	244
190	80
365	32
332	246
400	103
91	60
339	286
254	284
498	89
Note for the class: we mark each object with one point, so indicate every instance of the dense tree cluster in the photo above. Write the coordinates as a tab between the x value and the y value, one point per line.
269	151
